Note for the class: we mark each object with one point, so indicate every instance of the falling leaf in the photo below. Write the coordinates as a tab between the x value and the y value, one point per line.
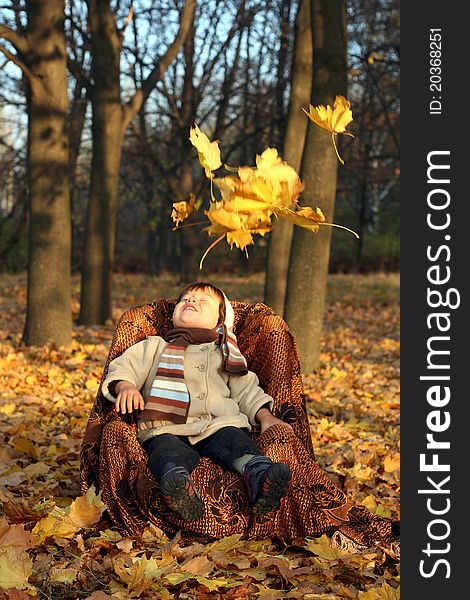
278	173
227	220
240	239
209	152
250	198
182	210
305	217
335	120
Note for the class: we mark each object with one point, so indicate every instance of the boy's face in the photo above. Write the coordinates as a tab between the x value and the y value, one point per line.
197	308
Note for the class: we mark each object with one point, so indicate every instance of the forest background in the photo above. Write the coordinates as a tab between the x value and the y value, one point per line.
233	78
136	77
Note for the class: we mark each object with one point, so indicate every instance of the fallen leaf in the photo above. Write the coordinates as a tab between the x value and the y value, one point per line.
8	409
15	536
199	565
67	576
392	463
321	547
385	592
15	568
86	510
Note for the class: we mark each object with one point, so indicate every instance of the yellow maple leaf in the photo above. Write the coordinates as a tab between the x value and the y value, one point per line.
86	510
249	191
335	120
228	221
305	217
392	463
321	547
271	167
208	152
183	209
250	198
53	526
65	522
15	568
256	222
240	239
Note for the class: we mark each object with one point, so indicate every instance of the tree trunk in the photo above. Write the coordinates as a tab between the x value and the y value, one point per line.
306	285
110	121
281	236
189	259
278	122
107	139
96	306
76	122
49	316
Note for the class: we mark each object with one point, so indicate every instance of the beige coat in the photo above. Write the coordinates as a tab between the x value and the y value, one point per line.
218	399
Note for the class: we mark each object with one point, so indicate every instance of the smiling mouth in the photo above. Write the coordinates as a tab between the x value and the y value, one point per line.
190	308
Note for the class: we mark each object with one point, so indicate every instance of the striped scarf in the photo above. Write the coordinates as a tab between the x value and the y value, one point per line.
169	397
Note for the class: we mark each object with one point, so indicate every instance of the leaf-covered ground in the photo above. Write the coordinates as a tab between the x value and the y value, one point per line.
53	543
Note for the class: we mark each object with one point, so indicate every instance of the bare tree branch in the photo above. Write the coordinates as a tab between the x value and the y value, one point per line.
126	23
18	41
15	60
79	73
162	64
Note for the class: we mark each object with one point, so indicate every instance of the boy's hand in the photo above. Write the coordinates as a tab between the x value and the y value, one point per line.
128	398
266	419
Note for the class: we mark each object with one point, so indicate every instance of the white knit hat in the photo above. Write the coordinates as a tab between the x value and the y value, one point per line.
229	314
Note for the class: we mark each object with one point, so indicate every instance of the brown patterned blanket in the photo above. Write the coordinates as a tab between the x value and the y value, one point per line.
113	460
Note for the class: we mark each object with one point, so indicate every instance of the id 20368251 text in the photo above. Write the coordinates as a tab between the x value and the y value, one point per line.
435	71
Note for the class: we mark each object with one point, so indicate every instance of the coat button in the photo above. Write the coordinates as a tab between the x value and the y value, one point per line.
202	348
202	367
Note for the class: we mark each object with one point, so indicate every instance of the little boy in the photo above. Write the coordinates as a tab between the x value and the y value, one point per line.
197	398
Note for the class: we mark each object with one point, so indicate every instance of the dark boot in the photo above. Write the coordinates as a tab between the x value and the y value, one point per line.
180	494
267	483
